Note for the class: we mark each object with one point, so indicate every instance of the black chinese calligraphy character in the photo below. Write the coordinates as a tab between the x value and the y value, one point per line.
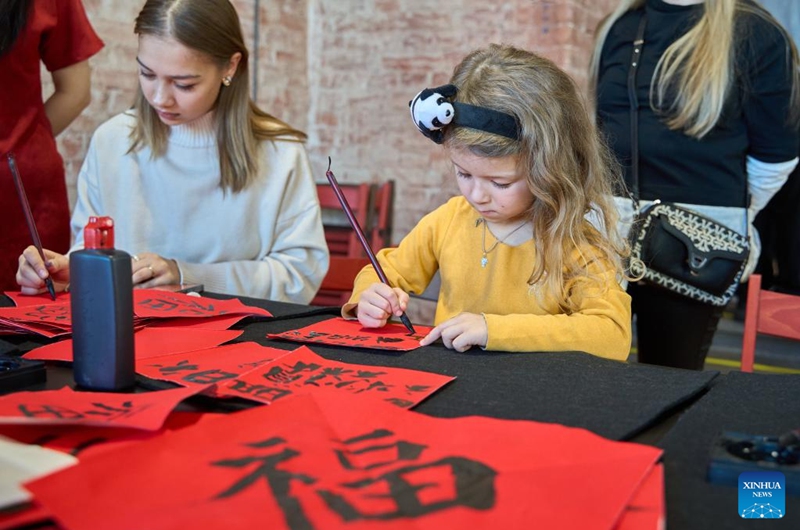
340	337
332	371
471	483
366	374
102	409
182	307
277	374
50	411
50	313
181	366
208	377
278	480
377	386
158	305
397	451
402	403
271	393
473	488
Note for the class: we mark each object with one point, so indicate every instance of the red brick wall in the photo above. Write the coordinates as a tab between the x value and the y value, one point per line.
344	70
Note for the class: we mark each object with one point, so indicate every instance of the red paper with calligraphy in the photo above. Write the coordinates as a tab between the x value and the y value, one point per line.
83	441
210	366
303	372
149	342
145	411
218	323
54	319
50	320
342	463
151	303
341	332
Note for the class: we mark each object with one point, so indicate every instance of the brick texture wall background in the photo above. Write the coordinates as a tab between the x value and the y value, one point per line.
344	71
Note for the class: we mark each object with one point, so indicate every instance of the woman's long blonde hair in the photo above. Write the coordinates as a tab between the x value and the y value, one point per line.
568	168
694	76
210	27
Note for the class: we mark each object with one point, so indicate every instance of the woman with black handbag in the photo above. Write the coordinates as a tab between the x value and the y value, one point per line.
700	101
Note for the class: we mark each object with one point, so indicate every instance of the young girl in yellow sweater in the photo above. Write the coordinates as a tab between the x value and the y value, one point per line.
522	267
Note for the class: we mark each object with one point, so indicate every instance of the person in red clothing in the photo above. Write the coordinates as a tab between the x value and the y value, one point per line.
58	34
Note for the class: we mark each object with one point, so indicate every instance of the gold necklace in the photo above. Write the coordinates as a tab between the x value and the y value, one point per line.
485	259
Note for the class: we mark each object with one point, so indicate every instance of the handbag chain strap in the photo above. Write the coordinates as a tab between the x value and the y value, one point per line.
636	58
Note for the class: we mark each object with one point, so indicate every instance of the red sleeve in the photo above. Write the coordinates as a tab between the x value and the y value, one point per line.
71	40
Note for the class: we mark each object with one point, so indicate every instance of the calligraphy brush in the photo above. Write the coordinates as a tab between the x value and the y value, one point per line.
360	233
26	208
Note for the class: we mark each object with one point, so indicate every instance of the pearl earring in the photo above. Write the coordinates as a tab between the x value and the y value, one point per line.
226	80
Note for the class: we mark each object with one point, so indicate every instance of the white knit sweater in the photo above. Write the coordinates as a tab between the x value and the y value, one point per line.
266	241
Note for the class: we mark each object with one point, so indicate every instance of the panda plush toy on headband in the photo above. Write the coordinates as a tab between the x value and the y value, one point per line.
431	110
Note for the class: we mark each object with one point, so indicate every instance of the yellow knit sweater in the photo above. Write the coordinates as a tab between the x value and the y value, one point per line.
449	239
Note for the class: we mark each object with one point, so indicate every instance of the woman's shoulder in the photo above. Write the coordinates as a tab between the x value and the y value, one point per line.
284	152
759	30
120	125
284	144
113	135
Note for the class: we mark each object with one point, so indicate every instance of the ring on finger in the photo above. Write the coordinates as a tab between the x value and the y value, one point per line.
152	272
135	257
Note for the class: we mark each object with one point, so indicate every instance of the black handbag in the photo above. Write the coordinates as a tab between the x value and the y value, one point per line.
674	247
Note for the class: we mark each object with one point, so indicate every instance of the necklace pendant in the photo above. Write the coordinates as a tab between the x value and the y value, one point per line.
484	261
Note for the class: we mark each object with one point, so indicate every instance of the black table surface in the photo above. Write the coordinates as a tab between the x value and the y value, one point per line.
617	400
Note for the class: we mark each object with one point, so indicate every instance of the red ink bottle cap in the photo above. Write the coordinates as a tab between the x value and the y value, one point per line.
99	233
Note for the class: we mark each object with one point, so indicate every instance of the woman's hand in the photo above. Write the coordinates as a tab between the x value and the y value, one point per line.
150	270
460	333
32	271
378	303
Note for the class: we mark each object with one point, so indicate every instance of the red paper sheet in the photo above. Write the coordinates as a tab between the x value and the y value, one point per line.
218	323
84	441
303	371
151	303
148	342
341	332
11	327
342	463
209	366
145	411
647	509
50	320
21	300
42	316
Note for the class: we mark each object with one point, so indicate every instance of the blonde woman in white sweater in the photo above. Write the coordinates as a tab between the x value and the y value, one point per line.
202	185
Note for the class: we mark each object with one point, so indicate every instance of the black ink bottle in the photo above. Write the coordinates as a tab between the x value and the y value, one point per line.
102	311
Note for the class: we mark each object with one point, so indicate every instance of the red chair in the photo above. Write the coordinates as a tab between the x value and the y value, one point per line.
381	216
337	286
769	313
341	238
347	254
374	215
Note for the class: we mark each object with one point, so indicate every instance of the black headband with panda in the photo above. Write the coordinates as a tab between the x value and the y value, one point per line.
432	110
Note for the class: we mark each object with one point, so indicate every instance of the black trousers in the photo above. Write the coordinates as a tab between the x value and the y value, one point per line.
672	330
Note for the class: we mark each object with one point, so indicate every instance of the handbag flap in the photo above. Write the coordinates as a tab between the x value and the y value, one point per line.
704	239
